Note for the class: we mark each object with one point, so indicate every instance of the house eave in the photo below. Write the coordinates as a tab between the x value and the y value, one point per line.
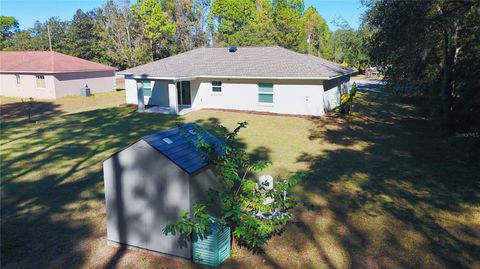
132	76
53	72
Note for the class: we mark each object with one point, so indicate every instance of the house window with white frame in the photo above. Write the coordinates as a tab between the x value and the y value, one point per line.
40	81
147	88
265	93
17	79
216	86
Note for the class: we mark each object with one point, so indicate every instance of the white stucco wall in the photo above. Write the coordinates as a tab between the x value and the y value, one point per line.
296	97
334	90
289	97
159	93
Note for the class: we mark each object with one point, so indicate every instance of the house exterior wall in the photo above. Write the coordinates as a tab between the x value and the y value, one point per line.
67	84
27	87
296	97
289	97
56	85
333	91
143	191
159	95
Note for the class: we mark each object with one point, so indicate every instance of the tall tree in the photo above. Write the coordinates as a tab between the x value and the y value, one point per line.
8	27
156	25
82	37
230	17
317	32
287	17
421	43
122	36
260	30
191	20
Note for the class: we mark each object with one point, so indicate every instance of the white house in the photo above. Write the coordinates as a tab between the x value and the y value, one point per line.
264	79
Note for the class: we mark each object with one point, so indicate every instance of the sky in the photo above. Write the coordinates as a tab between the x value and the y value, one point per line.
29	11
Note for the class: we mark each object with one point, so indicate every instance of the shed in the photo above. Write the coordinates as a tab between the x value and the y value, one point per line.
150	182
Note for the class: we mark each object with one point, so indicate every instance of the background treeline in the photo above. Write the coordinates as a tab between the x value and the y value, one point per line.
125	35
431	48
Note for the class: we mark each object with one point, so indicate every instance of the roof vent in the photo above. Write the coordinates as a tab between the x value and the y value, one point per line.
232	48
191	132
167	140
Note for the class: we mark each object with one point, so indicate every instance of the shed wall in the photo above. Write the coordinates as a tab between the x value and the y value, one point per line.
143	191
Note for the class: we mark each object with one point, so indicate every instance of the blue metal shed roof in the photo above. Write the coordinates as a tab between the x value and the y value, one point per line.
182	151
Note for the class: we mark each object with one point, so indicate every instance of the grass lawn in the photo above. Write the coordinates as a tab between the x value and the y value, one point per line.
382	190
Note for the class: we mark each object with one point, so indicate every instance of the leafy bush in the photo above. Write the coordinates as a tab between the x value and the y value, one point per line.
240	202
346	101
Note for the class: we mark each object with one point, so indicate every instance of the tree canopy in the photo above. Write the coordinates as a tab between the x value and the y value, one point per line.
126	35
431	48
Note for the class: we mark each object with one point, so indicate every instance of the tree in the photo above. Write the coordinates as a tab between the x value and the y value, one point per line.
317	32
122	36
156	25
8	27
260	30
191	20
82	36
21	40
229	17
240	201
421	42
287	18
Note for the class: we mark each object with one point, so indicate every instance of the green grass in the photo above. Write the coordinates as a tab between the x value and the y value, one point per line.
382	190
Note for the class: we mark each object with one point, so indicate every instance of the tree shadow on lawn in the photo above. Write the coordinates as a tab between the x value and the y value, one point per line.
52	184
38	109
395	193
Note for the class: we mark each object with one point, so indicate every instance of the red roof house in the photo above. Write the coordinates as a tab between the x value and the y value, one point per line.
50	75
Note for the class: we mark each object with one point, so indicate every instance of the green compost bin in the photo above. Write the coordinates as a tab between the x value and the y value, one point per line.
214	248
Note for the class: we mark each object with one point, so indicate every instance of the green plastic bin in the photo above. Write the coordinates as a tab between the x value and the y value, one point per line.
214	248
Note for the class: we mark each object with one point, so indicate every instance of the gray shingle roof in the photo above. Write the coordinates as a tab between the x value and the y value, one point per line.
182	150
248	62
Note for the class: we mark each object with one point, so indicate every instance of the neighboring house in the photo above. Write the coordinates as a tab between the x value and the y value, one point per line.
150	183
51	75
265	79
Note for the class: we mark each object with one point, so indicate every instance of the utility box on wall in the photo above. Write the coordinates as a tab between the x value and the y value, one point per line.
150	182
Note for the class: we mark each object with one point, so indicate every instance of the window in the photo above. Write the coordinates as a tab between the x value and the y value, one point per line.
147	88
216	86
17	77
265	93
40	80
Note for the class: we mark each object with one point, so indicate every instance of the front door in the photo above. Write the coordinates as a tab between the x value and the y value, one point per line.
183	93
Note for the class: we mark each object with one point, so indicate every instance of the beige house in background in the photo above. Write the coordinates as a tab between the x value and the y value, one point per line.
51	75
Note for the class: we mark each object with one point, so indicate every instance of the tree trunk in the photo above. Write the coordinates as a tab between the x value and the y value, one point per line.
446	89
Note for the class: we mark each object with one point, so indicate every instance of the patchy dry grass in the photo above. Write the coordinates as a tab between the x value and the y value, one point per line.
382	190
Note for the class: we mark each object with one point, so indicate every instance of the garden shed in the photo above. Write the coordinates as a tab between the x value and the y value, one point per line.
150	182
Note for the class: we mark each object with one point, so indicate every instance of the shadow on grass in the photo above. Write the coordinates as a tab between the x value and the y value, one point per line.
52	183
52	179
38	109
392	188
